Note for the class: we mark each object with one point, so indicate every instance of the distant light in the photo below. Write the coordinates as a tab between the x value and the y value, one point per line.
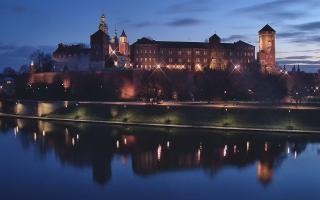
248	146
78	137
43	133
118	144
168	144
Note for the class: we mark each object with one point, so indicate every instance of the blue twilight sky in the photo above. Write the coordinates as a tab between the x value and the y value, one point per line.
27	25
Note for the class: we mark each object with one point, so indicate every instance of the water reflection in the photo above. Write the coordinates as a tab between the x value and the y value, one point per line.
153	151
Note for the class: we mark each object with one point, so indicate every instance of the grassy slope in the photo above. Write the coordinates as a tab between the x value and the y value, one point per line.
250	118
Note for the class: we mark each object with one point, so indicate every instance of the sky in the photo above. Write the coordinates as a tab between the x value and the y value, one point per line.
28	25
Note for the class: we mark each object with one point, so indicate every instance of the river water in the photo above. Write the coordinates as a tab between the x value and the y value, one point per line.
50	160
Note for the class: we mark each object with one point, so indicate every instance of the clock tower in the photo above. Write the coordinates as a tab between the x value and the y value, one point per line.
267	49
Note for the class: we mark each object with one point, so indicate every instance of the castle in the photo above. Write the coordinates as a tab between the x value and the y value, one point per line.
102	50
149	54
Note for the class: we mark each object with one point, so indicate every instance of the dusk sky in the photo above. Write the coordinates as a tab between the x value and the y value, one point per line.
31	24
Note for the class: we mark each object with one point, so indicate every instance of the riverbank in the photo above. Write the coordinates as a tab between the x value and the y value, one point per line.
253	117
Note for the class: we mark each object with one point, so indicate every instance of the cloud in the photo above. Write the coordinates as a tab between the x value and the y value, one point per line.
307	39
192	6
15	8
298	62
279	10
15	56
290	34
180	22
295	57
235	37
145	24
310	26
185	22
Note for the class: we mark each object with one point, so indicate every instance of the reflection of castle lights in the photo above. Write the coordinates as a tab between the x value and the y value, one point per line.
78	137
16	130
43	133
34	137
288	151
295	155
248	146
266	146
168	144
125	140
235	149
199	155
159	151
265	172
73	142
225	151
118	144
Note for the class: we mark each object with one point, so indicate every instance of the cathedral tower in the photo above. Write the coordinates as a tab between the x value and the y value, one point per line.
267	49
103	24
99	42
124	45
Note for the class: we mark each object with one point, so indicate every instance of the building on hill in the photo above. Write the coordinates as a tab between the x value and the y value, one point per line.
193	56
71	57
102	49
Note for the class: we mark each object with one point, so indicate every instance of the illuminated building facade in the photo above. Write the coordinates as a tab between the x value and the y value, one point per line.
267	49
102	49
193	56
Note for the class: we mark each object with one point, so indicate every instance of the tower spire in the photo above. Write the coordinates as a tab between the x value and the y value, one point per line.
103	24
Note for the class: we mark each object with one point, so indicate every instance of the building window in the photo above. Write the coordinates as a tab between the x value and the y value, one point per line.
189	60
170	52
179	60
197	59
150	59
137	52
180	53
197	52
170	60
205	60
145	59
189	53
205	53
